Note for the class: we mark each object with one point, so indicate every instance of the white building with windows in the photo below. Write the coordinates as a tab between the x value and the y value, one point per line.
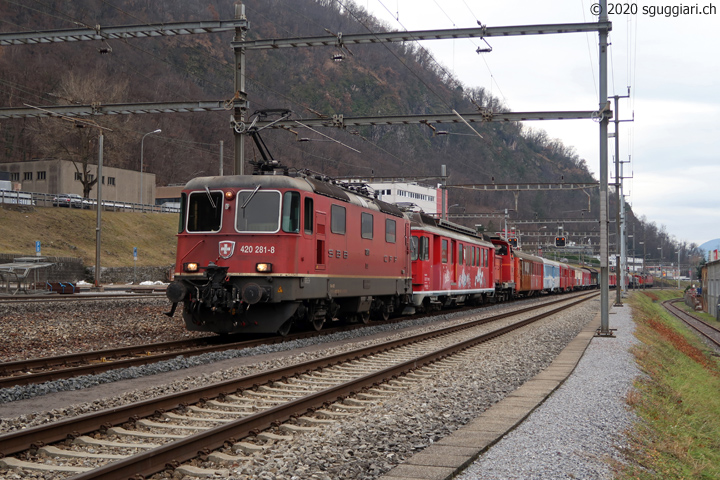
427	198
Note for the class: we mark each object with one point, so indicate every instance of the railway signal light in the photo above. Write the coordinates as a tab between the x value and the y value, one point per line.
513	241
559	241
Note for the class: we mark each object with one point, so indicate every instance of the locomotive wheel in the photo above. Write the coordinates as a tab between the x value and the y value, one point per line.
382	312
365	318
285	328
318	324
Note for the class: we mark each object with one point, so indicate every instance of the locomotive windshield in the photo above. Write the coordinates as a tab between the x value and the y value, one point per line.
205	211
258	211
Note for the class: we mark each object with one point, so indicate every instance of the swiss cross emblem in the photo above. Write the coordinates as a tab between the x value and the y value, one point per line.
227	248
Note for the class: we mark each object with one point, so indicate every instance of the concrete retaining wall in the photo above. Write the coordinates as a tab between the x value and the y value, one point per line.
70	269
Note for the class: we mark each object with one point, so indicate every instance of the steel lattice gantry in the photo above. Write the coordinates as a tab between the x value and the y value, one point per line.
119	33
411	36
112	109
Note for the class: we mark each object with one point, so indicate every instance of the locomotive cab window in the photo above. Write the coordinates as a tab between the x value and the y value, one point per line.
291	212
183	207
258	211
205	211
366	224
420	248
414	241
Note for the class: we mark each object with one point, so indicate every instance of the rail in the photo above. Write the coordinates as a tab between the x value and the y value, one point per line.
181	450
707	331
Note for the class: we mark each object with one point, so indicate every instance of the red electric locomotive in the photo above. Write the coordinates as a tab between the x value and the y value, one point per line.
257	253
503	269
451	265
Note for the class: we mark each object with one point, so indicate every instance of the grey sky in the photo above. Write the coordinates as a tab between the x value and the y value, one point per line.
669	62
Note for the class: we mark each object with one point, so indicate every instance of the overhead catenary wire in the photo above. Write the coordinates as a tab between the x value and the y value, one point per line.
472	41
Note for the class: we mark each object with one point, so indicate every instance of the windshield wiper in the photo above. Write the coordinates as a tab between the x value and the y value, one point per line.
207	190
250	197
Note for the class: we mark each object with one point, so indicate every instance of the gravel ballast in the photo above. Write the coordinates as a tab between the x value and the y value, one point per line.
578	431
386	434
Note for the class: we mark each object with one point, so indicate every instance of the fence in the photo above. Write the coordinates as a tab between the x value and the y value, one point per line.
49	200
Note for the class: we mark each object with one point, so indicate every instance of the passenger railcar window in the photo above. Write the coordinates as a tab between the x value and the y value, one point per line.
337	219
461	254
444	251
205	212
366	225
261	212
390	231
309	211
291	212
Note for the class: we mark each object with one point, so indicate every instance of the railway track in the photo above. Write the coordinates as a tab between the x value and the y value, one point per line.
241	416
39	370
707	331
80	297
45	369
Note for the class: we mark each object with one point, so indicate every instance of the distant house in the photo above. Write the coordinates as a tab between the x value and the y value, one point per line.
60	176
169	194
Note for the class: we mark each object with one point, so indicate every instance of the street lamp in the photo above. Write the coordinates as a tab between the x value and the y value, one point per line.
644	254
142	146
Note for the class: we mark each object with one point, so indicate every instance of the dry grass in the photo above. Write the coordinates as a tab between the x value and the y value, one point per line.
71	233
677	434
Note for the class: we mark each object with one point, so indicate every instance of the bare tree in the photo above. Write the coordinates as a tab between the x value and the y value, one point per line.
67	139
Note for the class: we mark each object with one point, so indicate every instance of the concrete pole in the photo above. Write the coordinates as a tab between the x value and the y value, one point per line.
99	211
603	106
221	158
618	230
239	108
443	174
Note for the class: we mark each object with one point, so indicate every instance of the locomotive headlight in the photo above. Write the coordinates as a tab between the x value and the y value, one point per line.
229	195
263	267
190	267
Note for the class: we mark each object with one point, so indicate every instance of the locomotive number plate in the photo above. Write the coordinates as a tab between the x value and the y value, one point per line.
257	249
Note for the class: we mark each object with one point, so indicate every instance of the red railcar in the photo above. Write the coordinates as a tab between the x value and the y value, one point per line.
585	276
641	280
451	265
528	274
257	253
567	278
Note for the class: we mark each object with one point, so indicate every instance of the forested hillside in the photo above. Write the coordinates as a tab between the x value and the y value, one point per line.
370	80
